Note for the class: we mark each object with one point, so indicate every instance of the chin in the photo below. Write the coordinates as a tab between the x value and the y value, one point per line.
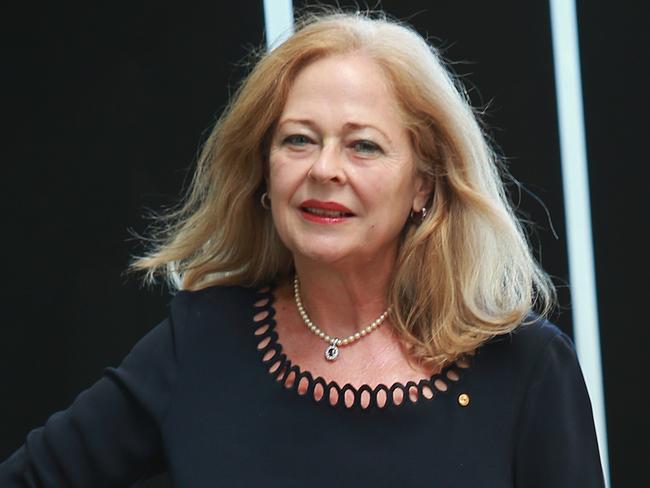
324	252
324	256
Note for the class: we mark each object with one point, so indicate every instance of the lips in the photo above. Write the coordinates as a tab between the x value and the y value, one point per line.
325	212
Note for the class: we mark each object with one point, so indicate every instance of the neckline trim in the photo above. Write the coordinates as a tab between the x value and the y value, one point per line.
348	397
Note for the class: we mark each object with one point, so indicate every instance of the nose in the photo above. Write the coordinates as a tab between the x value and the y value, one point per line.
328	166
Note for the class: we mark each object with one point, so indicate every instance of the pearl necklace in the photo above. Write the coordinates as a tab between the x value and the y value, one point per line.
332	351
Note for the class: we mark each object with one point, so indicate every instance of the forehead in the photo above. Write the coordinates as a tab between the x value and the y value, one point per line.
350	86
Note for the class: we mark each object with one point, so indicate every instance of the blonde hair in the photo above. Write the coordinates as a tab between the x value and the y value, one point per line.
464	275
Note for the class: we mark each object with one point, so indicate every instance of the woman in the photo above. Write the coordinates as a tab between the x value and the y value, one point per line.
356	300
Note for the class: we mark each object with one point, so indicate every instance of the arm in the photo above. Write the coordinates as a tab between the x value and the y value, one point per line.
110	434
557	444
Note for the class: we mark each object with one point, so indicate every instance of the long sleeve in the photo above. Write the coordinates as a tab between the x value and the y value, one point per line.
110	434
557	444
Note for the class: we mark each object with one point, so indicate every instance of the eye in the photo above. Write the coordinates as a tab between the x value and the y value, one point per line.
297	140
366	147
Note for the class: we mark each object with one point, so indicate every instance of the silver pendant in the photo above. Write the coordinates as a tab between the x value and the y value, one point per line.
332	351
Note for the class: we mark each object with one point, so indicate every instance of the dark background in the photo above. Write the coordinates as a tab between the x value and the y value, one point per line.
105	107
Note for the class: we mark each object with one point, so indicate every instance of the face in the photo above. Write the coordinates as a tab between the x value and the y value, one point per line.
342	176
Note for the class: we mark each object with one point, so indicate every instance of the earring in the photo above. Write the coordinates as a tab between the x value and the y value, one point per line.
422	213
265	200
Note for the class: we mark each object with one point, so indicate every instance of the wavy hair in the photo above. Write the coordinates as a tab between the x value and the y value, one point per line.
463	275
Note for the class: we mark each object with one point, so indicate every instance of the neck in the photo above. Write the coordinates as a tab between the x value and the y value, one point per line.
344	300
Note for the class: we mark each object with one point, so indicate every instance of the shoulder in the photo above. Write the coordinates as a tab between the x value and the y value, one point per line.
528	340
212	315
550	407
215	294
222	300
536	348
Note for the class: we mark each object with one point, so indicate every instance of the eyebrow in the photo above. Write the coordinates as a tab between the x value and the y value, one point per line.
348	125
306	122
355	126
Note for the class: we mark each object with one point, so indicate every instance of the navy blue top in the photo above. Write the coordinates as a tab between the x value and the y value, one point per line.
196	397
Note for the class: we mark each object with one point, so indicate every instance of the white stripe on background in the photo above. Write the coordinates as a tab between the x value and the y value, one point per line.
577	208
278	21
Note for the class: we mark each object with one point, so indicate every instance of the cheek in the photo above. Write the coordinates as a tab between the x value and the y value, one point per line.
283	184
278	181
388	193
285	175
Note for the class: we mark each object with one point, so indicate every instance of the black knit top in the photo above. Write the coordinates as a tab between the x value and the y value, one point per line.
209	396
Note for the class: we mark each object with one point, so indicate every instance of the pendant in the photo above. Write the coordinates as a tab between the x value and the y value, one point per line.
332	351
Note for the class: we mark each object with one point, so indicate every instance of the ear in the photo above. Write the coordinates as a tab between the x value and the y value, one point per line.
423	191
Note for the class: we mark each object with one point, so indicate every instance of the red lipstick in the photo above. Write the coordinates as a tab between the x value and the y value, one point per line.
325	212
